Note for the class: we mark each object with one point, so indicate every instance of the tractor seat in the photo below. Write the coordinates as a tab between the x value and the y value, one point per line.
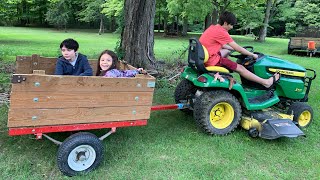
198	56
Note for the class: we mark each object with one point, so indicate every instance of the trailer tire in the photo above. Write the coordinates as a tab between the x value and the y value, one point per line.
184	90
217	112
79	154
302	113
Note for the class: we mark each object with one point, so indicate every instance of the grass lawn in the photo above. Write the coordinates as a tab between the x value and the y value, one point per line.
170	146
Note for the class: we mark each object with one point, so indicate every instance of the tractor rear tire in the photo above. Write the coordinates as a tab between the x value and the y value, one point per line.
302	113
183	92
217	112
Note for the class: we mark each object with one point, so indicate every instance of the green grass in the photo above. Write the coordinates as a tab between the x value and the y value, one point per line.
46	42
170	146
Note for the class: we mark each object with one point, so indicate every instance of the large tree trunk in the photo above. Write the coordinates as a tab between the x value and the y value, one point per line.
165	24
159	22
185	27
138	36
101	24
112	27
215	16
263	29
177	24
207	21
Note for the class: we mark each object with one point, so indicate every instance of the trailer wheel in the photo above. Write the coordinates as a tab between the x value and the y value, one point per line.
217	112
302	113
184	91
80	153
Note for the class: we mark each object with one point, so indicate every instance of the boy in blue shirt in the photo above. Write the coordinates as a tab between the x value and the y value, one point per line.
71	62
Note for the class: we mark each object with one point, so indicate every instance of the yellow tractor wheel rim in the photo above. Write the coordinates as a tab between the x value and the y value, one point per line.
304	118
221	115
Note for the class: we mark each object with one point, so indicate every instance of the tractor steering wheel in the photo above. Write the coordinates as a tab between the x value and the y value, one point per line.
244	59
241	56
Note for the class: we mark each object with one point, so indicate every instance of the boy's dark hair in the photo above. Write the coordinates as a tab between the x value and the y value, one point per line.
228	17
70	44
114	65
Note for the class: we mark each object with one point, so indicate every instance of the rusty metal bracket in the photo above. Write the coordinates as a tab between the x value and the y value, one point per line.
18	79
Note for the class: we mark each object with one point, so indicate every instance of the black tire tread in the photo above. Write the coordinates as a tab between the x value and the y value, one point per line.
297	108
204	104
73	141
183	89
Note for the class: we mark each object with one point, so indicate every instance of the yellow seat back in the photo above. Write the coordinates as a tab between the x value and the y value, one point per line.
212	68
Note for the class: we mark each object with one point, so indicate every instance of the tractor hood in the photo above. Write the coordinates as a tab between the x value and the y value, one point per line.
268	65
277	63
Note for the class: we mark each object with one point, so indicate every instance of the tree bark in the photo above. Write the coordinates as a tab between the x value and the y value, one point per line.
185	27
101	24
137	40
165	25
177	24
207	21
215	17
263	28
215	12
159	22
112	24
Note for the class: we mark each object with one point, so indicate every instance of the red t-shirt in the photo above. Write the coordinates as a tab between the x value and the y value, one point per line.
213	39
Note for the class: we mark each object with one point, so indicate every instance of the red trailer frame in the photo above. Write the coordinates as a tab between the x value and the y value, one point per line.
39	131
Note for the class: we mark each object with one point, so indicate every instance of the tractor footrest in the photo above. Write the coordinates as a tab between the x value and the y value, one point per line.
262	98
275	128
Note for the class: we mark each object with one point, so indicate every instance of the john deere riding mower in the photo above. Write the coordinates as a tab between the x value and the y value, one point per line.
220	103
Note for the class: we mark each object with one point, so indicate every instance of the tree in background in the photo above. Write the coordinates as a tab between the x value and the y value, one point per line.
309	12
92	12
270	11
188	11
216	8
113	9
137	40
8	13
162	15
59	13
259	16
248	22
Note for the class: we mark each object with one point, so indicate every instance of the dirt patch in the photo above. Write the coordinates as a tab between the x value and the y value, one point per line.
7	67
6	71
4	98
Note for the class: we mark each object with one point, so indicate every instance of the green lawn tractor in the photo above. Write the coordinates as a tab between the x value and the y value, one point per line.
219	107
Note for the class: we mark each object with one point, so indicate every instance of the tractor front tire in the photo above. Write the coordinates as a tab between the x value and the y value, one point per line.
302	113
184	91
217	112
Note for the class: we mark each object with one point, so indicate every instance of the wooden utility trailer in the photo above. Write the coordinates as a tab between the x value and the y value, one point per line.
301	44
307	39
44	103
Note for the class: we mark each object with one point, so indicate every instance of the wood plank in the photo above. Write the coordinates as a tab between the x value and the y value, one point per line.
26	64
23	64
72	84
79	99
44	117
